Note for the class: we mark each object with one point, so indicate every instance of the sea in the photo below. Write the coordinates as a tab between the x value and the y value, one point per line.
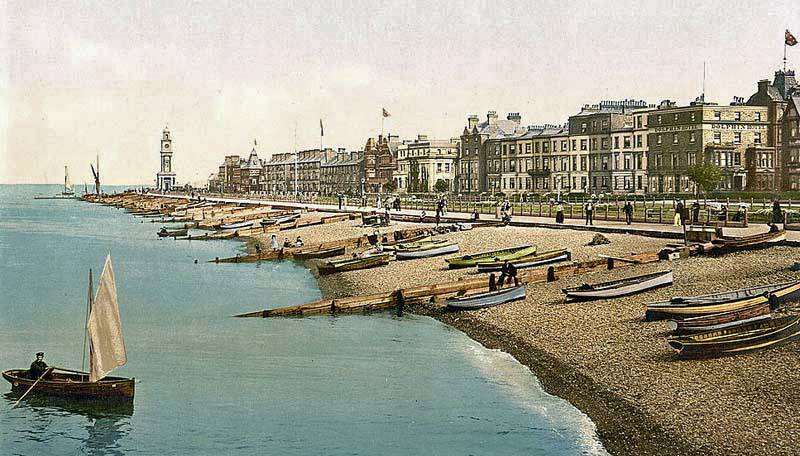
211	384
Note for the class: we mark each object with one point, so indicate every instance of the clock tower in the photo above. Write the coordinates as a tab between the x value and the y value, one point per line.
165	179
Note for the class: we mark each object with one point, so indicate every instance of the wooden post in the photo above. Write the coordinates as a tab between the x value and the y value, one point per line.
400	302
551	274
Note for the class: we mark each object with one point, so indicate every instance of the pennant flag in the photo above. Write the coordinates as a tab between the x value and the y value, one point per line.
790	39
386	113
321	130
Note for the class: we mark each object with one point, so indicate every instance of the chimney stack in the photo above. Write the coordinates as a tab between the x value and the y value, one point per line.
491	117
472	121
514	117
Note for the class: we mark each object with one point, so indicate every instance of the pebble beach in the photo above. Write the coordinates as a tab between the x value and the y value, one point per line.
601	355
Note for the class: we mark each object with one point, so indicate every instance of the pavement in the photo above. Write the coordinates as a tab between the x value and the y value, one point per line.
660	230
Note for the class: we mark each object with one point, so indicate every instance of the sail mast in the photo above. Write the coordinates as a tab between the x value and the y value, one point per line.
86	323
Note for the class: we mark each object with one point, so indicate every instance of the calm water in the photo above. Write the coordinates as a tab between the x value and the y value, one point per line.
211	384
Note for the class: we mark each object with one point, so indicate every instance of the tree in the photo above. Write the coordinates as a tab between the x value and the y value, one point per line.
390	186
706	175
441	186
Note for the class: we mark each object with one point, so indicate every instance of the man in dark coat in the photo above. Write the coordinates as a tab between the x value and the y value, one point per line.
695	213
38	367
628	209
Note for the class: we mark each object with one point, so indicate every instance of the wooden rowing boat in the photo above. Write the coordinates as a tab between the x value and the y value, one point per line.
420	244
787	292
752	336
745	242
426	251
717	298
73	385
239	225
353	264
617	288
106	352
487	298
318	253
468	261
530	261
280	220
173	233
721	320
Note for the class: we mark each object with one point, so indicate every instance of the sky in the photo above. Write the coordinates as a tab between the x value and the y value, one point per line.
83	78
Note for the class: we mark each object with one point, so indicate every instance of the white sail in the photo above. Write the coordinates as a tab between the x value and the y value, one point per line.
105	329
67	182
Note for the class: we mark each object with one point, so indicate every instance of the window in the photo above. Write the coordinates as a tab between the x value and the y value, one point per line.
626	142
737	115
737	138
528	147
659	118
693	116
583	127
564	145
658	139
717	137
675	117
584	144
616	142
674	138
638	140
692	137
757	117
717	115
573	144
757	137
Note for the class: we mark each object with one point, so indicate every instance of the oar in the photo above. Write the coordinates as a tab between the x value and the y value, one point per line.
29	389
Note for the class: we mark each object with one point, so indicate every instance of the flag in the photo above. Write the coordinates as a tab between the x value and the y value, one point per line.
386	113
790	39
321	130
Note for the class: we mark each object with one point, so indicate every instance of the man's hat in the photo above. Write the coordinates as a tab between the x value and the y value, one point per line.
40	354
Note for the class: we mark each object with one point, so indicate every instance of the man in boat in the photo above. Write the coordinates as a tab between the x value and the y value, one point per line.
38	367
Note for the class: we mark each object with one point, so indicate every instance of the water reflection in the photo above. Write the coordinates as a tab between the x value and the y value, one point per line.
105	424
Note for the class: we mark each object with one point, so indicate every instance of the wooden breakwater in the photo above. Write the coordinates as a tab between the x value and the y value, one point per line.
411	295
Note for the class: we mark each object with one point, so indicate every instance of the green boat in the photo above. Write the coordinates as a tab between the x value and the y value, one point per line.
421	245
510	254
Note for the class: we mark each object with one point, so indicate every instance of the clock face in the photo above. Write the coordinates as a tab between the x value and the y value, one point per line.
166	145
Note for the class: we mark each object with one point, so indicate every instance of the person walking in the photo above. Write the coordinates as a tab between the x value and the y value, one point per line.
589	209
341	200
559	212
777	212
678	221
273	242
628	210
695	213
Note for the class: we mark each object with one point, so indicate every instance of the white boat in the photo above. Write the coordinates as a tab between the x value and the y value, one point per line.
617	288
425	252
66	193
487	298
239	225
280	220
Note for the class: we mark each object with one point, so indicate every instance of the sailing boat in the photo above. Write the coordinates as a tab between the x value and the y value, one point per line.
66	193
106	352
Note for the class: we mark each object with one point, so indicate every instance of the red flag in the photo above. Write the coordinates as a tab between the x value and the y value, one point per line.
790	39
385	113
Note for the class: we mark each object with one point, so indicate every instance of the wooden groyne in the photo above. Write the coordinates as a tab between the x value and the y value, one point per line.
411	295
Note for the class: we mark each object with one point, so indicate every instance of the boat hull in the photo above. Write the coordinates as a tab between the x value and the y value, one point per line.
354	265
321	253
624	287
73	386
468	261
426	253
753	336
530	262
788	293
487	299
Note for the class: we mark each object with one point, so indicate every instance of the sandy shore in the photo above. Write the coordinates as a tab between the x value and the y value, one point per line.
604	359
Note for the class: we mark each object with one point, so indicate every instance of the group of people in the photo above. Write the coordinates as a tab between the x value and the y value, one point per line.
273	243
508	273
